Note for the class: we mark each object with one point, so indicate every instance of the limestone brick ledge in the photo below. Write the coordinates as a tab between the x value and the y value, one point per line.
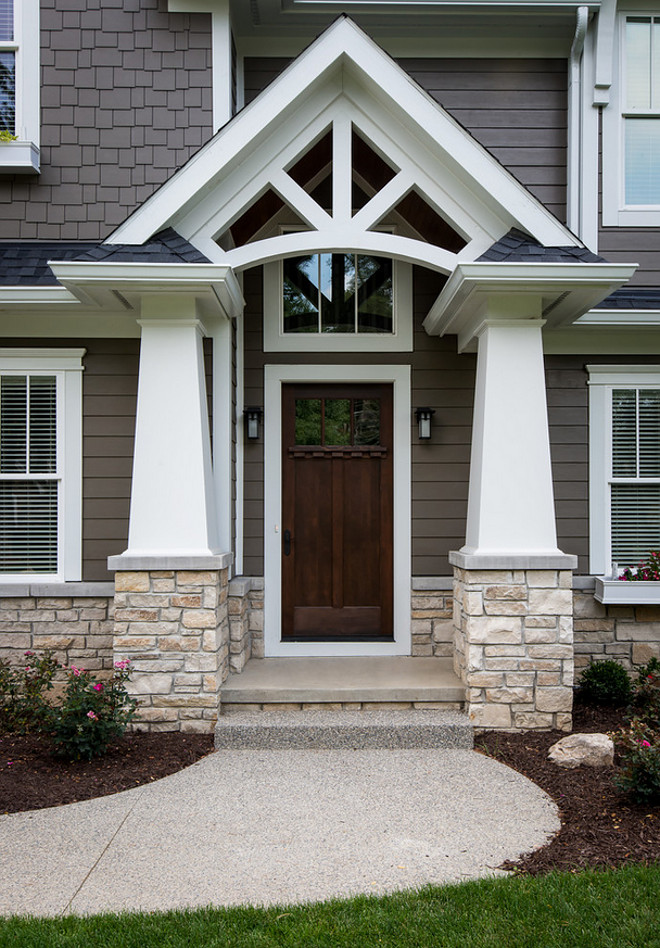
57	590
512	561
150	562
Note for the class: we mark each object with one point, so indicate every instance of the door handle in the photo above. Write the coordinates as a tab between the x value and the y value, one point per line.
287	542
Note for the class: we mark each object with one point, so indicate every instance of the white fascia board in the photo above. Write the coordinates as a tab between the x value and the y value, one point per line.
344	53
469	161
567	289
635	318
35	296
210	280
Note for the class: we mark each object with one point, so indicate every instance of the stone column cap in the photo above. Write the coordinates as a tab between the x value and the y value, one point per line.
138	563
556	560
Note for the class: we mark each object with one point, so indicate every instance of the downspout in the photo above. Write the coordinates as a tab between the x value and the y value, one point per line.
574	216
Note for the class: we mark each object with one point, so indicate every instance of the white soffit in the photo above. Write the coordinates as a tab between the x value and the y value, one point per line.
557	292
343	78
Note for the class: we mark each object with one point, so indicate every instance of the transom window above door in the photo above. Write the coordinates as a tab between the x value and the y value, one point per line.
337	293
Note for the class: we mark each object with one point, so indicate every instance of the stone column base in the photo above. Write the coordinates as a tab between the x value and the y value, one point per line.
514	646
173	626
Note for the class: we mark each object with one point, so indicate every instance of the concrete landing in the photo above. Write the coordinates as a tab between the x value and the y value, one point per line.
344	680
347	730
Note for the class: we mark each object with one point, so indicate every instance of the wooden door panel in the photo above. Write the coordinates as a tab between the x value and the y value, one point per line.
337	505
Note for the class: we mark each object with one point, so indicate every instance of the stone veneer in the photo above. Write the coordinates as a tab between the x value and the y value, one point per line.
432	625
246	621
629	634
173	625
78	628
514	646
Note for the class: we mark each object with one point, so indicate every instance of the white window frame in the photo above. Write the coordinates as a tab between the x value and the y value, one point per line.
22	156
66	366
603	379
399	340
615	212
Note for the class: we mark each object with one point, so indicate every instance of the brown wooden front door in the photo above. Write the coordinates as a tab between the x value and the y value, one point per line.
337	550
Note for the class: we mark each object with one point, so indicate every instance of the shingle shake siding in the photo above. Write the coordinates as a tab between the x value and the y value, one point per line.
125	101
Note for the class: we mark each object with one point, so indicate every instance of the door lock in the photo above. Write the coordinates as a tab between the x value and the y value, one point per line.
287	542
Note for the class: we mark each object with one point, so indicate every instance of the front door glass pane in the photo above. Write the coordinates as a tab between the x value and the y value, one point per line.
366	421
308	421
337	421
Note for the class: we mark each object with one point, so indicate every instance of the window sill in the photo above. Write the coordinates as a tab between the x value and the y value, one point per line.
19	158
618	592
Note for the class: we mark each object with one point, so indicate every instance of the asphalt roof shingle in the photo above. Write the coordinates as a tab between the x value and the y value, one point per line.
516	247
25	263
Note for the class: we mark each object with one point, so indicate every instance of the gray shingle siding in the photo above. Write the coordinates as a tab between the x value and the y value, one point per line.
125	101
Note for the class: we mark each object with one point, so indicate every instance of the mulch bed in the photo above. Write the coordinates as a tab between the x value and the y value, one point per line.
30	778
600	826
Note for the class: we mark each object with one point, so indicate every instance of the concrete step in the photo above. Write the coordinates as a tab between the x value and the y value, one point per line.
347	730
380	679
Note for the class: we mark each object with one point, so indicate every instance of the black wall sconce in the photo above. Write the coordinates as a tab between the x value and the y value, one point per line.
253	417
424	416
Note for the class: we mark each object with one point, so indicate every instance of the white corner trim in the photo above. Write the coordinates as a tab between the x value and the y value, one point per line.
275	377
276	340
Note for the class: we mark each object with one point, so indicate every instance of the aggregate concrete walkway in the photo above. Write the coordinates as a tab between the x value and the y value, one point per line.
274	826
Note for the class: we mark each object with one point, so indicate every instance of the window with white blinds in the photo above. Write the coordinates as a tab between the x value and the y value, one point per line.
29	479
40	464
635	481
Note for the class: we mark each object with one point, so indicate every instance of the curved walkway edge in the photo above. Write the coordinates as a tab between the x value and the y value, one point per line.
274	826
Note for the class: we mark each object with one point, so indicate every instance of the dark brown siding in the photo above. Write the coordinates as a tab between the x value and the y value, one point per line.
626	245
125	101
441	379
109	403
516	108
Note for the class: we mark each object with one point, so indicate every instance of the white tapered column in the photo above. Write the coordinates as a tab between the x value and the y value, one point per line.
511	503
172	495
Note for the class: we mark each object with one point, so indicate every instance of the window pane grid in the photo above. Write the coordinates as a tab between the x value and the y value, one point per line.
338	294
29	517
635	480
6	20
29	480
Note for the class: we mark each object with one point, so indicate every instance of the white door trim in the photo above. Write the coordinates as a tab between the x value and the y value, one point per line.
275	377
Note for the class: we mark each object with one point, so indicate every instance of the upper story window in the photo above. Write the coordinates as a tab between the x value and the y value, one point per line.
40	464
631	126
337	293
624	424
19	85
641	115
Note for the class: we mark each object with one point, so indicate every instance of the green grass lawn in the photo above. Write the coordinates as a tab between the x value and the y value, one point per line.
618	908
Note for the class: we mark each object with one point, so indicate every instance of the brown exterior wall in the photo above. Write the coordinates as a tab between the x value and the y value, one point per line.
125	101
516	108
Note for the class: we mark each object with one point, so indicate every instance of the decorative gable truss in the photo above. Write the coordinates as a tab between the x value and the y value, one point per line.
343	152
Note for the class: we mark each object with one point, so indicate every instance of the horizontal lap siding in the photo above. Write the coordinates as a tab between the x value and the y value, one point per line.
441	379
109	402
626	245
516	108
125	101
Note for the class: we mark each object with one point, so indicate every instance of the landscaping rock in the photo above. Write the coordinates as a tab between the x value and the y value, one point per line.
589	750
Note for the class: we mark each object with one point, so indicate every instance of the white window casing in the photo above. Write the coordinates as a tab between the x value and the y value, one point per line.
631	122
624	464
399	340
47	539
19	46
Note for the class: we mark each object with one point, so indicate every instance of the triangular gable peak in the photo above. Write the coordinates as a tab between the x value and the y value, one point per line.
343	151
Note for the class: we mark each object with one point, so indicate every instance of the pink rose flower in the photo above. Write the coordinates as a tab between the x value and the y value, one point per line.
98	686
92	716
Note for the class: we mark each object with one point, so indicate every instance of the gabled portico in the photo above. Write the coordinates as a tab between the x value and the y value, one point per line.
289	177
